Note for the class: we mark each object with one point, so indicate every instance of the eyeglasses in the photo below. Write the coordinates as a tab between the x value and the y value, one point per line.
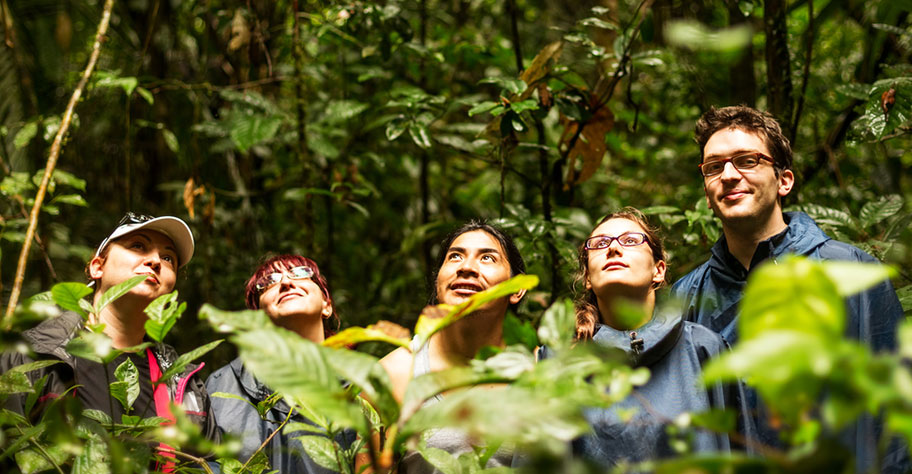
132	218
744	161
268	281
627	239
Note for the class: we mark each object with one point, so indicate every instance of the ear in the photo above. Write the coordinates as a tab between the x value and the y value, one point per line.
517	297
95	267
588	283
658	275
786	182
327	310
706	195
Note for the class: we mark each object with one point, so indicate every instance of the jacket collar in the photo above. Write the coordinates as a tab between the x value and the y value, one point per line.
253	388
801	236
646	344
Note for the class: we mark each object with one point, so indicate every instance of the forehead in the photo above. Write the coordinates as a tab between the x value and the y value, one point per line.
617	226
476	239
727	141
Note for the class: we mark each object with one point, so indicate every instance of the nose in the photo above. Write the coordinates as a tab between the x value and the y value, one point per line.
467	266
614	249
729	172
153	261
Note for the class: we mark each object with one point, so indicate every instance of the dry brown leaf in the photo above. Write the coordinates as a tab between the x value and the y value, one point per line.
191	191
392	329
240	32
589	146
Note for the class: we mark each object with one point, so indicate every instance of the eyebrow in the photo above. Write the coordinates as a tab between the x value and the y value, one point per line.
148	239
481	250
734	153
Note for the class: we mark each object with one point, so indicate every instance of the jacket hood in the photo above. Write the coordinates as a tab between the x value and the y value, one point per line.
800	237
648	343
51	336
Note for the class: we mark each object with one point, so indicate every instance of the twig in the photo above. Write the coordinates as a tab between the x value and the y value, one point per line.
268	439
52	162
807	70
198	460
41	449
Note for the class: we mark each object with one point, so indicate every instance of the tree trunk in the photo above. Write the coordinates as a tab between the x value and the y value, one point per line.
778	63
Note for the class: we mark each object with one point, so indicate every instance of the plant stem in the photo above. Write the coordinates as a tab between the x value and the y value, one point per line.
41	449
56	147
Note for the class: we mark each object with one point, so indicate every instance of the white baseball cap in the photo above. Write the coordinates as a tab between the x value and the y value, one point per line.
172	227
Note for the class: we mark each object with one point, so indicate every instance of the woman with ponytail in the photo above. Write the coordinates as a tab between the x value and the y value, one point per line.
623	261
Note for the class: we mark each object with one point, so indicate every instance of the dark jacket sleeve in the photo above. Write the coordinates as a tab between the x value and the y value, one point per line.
59	379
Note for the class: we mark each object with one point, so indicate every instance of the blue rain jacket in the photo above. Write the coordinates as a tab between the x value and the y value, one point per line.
712	291
674	351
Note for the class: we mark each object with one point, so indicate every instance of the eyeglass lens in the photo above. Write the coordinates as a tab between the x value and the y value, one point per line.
296	273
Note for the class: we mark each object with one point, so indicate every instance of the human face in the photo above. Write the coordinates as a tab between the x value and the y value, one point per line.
617	269
474	262
294	298
749	196
144	252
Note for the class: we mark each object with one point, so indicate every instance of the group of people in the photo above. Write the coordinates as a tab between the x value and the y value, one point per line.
746	169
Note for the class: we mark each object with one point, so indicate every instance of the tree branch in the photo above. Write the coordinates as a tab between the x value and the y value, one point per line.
56	147
809	46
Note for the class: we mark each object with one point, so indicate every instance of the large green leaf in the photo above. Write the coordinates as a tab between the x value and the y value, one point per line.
794	294
185	359
33	460
233	321
297	368
247	130
441	459
427	325
323	451
163	312
126	388
339	111
117	291
558	325
854	277
68	296
365	372
829	216
383	331
874	212
425	386
97	347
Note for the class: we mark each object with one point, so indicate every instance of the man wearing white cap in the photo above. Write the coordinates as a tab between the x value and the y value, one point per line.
139	245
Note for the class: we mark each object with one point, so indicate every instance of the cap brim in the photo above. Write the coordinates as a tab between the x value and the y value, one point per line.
172	227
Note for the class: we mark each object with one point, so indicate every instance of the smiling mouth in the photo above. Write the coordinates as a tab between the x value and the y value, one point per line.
151	278
288	295
466	289
732	195
614	265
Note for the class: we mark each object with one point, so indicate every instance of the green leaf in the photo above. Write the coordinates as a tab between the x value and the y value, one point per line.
528	104
419	134
67	296
792	294
482	107
364	371
93	346
117	291
69	179
395	128
247	130
128	375
14	382
111	80
145	94
321	450
341	110
428	325
185	359
598	23
373	332
557	329
71	199
440	459
297	368
25	135
93	459
234	321
854	277
828	216
32	460
171	140
876	211
692	35
163	312
519	332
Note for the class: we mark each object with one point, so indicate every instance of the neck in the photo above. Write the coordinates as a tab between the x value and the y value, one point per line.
308	327
458	343
609	305
742	240
124	320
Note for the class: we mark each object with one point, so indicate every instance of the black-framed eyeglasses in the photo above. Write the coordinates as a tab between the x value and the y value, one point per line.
133	218
266	282
744	161
627	239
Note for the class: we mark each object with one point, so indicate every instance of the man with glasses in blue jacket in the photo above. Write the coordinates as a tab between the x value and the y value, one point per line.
746	166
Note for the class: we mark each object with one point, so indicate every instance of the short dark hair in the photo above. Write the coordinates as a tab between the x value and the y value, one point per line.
586	304
514	258
275	264
749	120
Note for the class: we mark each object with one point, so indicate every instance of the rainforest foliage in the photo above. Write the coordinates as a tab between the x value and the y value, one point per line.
359	133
